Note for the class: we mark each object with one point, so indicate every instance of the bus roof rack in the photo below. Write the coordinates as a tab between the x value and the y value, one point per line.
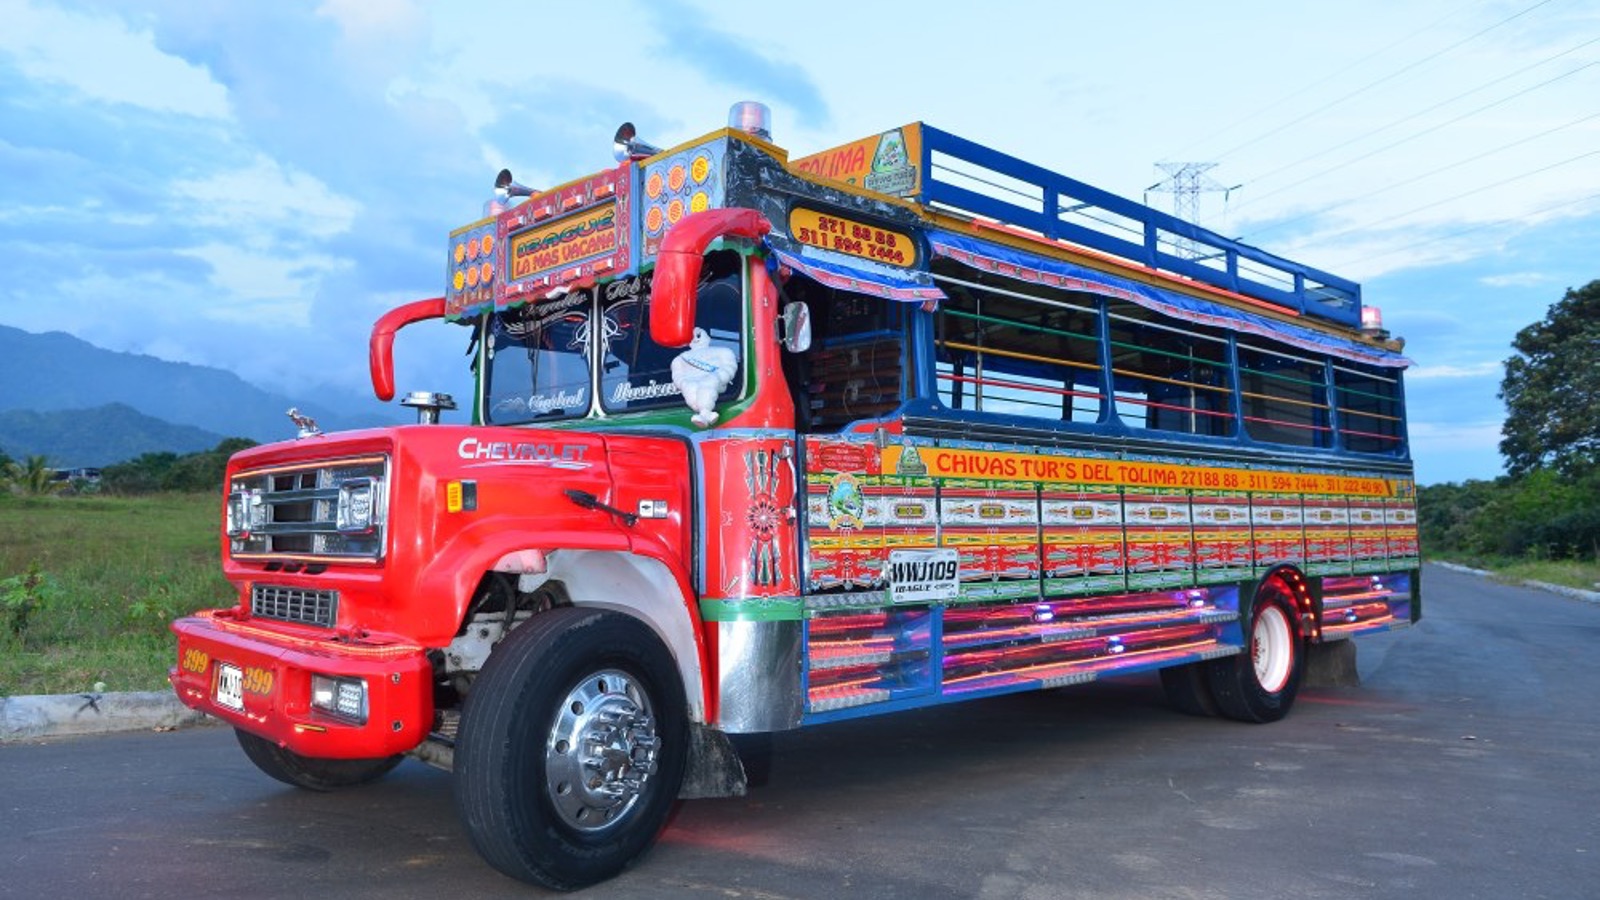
966	178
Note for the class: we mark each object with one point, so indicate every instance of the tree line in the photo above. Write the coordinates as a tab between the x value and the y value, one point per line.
1547	505
147	473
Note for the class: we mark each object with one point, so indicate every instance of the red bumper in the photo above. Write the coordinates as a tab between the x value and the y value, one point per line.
269	681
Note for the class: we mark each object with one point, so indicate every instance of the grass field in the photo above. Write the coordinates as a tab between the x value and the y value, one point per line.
88	585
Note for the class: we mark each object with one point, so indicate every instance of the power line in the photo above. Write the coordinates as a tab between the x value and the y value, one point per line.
1423	133
1316	84
1477	190
1409	117
1390	77
1367	257
1428	174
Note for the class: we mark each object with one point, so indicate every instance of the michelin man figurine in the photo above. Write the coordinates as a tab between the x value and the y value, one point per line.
701	372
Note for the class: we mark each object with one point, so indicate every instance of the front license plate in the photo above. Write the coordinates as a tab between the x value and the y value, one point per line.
230	686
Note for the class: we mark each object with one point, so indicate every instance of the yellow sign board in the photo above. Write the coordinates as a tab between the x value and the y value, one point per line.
887	163
841	235
955	462
569	240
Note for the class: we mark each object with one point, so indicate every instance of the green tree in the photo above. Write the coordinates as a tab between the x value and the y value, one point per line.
152	472
1552	389
33	475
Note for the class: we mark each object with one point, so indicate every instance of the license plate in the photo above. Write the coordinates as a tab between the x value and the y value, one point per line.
230	686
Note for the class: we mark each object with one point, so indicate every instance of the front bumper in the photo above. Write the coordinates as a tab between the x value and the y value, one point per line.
271	674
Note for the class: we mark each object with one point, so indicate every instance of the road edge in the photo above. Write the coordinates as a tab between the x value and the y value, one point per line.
39	716
1563	590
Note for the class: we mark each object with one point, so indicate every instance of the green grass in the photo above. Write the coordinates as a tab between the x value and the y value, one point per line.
1585	575
89	584
1571	573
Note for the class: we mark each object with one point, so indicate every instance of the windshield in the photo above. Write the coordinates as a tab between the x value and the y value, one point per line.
539	355
636	372
539	361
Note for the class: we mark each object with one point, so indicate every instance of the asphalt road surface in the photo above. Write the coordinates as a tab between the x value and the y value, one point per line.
1464	766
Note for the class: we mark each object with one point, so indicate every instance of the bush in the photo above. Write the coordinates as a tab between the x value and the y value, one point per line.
194	473
1539	515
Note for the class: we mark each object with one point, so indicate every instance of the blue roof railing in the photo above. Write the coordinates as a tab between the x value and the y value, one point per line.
962	176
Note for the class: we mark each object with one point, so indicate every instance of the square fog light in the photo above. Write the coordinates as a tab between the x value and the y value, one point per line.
345	698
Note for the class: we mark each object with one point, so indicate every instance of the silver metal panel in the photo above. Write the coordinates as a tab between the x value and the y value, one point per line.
759	686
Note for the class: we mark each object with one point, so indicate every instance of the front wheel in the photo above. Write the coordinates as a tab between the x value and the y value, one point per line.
572	748
1260	684
309	772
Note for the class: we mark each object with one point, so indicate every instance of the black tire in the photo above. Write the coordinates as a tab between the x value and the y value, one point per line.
309	772
1188	689
1260	684
553	679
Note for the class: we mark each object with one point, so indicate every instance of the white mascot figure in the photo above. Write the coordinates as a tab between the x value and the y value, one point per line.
701	372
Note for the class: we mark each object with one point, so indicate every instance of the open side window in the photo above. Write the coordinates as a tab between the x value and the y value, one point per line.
855	368
999	349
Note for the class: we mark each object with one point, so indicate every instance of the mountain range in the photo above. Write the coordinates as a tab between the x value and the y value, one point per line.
82	405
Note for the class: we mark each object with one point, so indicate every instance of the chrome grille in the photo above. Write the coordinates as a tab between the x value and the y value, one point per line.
289	604
295	510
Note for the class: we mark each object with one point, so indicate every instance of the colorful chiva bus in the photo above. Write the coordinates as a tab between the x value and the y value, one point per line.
762	443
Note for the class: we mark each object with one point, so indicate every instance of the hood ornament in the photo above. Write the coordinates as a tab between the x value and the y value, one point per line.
306	424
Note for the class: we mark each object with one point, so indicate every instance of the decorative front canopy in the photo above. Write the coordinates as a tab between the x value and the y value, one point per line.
904	285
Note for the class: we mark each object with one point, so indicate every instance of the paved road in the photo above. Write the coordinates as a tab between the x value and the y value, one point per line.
1463	767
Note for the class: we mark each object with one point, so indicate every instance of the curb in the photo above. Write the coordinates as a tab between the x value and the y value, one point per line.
58	715
1563	590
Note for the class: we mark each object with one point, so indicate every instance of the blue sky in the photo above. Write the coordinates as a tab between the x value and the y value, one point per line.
250	184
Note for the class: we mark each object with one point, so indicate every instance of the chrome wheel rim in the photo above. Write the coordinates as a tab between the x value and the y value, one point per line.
602	751
1272	648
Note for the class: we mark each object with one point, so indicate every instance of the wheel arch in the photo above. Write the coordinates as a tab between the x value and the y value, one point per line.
1308	611
597	569
647	589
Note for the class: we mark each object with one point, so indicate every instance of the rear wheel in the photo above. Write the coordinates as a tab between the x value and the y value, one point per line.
1189	689
572	748
1260	684
309	772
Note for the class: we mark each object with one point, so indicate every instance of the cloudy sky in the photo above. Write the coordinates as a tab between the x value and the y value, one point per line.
249	184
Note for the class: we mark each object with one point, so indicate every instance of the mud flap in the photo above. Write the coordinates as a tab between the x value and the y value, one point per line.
1332	665
714	768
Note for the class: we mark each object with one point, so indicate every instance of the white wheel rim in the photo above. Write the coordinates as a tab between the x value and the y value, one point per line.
601	752
1272	648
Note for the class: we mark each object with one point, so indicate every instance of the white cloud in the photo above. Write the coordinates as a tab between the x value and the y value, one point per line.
1471	370
264	192
260	285
105	58
1517	279
368	19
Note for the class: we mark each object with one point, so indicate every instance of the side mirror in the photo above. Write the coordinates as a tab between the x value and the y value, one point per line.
796	327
